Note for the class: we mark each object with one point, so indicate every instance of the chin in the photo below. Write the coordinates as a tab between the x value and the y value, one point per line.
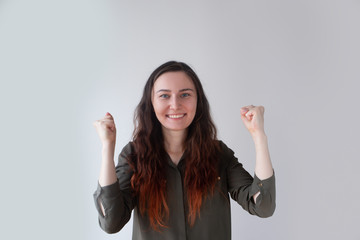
175	129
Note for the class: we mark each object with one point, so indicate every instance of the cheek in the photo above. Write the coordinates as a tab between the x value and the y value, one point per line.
195	108
158	107
194	105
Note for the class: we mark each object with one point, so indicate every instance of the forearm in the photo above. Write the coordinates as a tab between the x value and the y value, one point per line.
107	170
263	166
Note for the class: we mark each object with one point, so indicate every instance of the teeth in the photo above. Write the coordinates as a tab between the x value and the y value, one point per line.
176	116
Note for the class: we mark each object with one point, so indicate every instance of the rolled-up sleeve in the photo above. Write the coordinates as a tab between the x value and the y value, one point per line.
265	202
242	187
117	199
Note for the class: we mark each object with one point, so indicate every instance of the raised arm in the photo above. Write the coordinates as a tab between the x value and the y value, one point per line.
253	119
113	197
106	130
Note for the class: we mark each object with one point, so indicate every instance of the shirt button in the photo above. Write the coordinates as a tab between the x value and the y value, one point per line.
260	184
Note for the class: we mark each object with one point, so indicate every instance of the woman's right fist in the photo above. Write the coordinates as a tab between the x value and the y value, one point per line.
106	129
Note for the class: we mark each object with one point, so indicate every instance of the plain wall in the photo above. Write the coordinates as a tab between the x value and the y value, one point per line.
64	64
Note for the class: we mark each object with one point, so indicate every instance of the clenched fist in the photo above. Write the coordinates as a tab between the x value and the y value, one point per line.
106	129
253	119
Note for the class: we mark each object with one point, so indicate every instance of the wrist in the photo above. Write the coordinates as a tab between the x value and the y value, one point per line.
259	136
108	145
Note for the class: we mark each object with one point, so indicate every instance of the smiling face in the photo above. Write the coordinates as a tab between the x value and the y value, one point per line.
174	100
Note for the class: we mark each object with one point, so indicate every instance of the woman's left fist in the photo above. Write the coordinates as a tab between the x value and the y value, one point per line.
253	118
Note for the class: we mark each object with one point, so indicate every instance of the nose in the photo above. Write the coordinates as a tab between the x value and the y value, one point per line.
175	103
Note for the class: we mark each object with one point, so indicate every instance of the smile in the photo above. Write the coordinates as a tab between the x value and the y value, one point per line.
176	116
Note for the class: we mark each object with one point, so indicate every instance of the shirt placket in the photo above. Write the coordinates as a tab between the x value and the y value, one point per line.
178	199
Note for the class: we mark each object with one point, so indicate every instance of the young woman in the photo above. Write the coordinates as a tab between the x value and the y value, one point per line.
175	174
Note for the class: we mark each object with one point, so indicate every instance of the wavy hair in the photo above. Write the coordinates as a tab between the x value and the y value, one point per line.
149	156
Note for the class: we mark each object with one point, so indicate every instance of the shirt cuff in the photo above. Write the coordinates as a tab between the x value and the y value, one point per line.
264	186
108	191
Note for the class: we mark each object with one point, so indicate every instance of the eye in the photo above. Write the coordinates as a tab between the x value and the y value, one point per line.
185	95
164	96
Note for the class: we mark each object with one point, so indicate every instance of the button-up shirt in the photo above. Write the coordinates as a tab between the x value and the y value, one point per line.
214	221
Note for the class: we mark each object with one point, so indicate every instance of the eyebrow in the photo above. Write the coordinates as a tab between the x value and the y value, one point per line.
181	90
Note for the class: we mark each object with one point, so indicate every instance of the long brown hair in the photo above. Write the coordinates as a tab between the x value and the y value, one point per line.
149	159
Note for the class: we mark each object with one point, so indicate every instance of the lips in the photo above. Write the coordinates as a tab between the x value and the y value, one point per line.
176	116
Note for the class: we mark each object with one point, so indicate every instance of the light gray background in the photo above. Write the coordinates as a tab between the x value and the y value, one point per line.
64	64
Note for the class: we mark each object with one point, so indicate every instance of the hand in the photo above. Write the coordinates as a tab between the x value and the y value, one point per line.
106	129
253	118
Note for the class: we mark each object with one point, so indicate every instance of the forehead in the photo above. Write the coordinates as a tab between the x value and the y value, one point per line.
173	81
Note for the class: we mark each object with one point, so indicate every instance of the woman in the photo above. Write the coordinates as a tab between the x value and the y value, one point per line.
175	174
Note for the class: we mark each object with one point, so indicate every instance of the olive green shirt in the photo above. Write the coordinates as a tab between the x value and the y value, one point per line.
215	219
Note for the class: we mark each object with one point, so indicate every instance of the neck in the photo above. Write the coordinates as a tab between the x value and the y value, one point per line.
174	141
